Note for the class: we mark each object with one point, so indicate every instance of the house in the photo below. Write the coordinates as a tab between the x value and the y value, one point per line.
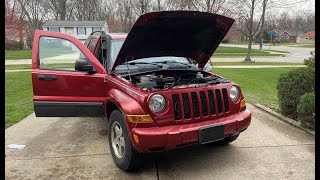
287	35
79	29
307	37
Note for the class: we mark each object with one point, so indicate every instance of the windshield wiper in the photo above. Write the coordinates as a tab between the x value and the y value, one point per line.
134	63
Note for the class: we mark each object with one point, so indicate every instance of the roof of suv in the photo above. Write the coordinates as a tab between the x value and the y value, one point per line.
118	35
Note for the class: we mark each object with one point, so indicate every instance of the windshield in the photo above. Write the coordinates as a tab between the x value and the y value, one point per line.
115	48
162	59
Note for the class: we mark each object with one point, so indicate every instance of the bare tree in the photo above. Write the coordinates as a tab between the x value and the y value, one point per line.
143	6
246	24
35	14
180	5
125	12
250	31
262	23
284	21
61	9
212	6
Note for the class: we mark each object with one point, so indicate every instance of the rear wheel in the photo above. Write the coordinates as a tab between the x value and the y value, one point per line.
123	154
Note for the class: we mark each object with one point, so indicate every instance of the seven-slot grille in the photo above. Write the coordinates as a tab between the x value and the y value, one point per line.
200	103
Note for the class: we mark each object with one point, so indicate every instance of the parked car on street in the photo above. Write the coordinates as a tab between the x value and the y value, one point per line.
144	83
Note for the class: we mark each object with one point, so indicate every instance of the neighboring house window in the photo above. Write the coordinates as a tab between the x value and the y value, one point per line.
55	29
81	31
96	29
307	38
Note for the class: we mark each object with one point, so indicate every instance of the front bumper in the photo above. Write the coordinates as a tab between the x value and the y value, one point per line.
171	137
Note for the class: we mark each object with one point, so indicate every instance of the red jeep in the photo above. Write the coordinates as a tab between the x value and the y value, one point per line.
146	84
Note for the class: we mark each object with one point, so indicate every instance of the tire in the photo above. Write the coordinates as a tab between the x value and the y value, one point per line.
123	154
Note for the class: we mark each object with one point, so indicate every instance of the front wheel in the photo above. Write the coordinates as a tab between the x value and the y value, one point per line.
123	154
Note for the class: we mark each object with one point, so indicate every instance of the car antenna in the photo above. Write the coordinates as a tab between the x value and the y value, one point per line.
128	68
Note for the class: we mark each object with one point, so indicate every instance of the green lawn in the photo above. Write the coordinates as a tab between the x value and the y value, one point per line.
51	52
258	85
18	54
252	64
28	66
220	52
27	54
223	51
18	97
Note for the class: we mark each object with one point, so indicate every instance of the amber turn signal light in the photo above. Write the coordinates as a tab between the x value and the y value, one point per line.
242	105
139	118
136	139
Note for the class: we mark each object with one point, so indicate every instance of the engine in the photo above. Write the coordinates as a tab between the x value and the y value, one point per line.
174	79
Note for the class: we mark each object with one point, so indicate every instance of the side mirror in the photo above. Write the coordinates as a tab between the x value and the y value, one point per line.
83	65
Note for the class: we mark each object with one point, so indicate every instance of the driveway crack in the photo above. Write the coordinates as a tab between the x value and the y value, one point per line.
56	157
284	145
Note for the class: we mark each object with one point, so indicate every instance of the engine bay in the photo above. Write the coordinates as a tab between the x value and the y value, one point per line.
174	79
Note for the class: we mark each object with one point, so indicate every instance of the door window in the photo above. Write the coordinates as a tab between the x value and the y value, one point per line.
91	44
58	53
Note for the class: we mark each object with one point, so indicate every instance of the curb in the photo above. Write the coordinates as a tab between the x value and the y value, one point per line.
283	118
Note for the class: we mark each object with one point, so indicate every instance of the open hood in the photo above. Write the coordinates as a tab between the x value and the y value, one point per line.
192	34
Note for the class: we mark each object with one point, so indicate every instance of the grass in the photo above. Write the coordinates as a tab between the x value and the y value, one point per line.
257	85
252	64
18	54
28	66
27	54
18	97
51	52
223	51
220	52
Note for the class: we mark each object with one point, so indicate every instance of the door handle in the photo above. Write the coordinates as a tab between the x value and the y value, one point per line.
47	77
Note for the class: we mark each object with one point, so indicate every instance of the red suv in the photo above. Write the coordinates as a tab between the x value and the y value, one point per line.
143	83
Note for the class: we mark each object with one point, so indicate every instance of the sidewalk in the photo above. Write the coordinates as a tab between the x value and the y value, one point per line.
19	61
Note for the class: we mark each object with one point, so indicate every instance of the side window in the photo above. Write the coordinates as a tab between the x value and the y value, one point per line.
58	53
91	44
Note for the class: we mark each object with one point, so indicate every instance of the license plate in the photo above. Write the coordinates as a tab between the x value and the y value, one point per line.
210	134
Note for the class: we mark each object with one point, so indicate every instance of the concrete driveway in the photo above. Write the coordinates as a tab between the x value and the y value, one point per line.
77	148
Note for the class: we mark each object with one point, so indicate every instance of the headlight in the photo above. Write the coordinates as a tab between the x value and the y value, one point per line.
234	93
157	103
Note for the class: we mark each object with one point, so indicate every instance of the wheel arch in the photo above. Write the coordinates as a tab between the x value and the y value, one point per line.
123	102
